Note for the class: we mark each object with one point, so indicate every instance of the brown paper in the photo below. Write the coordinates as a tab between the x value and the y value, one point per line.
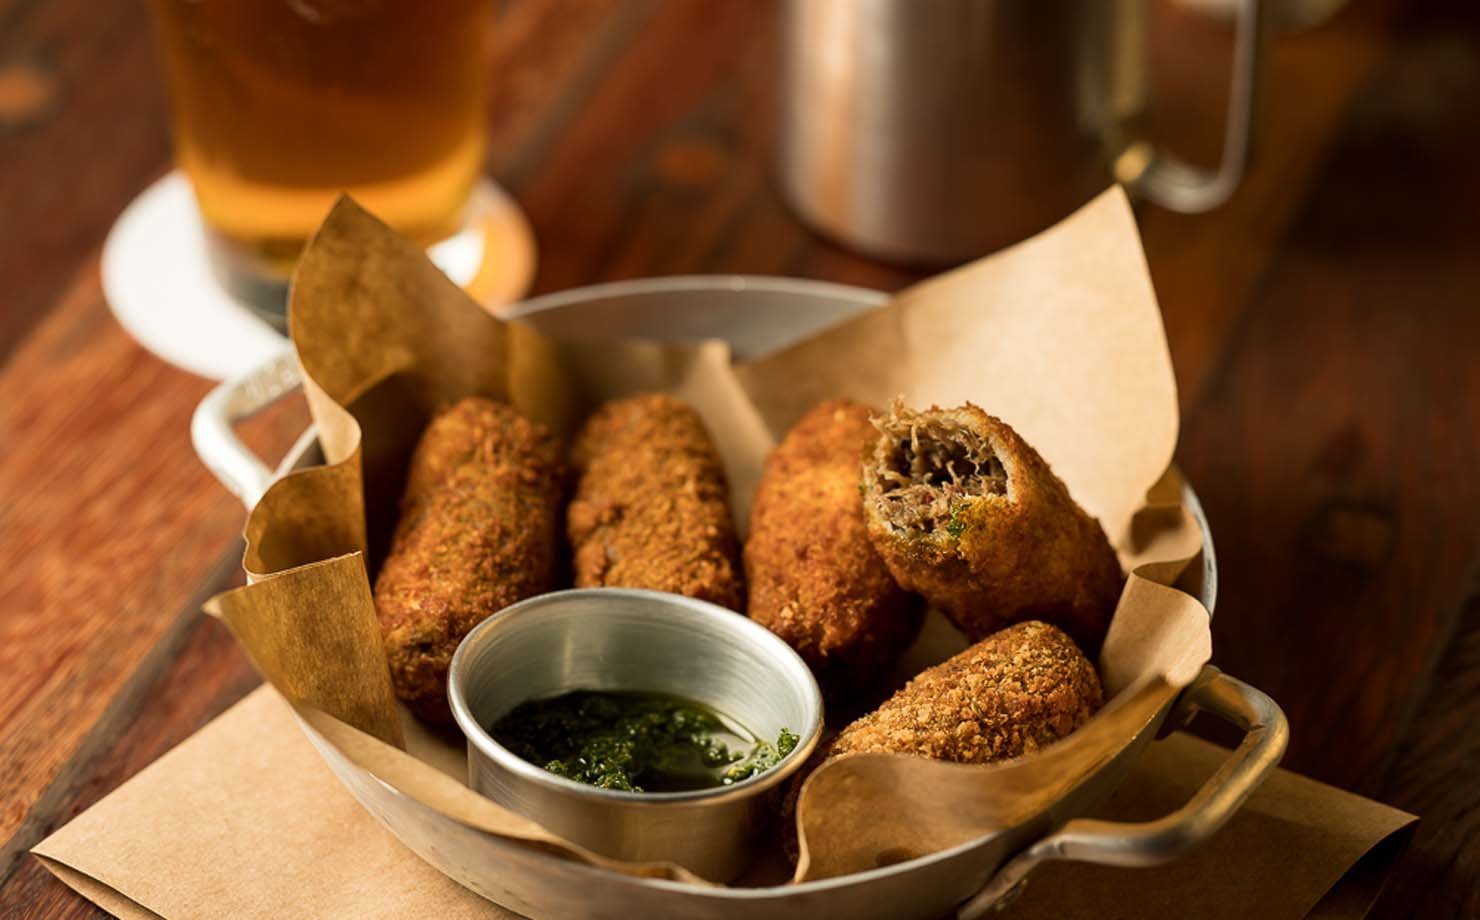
1279	857
1060	336
289	640
309	850
211	829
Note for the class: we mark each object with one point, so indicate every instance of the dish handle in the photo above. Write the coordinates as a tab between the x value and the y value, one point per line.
1152	843
233	463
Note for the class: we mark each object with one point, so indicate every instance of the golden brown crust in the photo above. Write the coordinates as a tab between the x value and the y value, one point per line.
478	531
651	508
813	576
967	513
1010	694
1013	693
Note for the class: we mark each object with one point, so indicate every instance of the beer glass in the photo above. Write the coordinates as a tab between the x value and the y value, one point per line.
279	105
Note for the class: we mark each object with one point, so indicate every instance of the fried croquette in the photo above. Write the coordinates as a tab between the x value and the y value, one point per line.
651	508
1010	694
479	530
966	513
1013	693
814	579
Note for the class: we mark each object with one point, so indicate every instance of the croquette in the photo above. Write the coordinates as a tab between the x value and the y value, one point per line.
1013	693
1010	694
966	513
479	530
813	577
651	507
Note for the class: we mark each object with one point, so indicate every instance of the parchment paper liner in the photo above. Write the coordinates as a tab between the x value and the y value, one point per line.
212	829
1060	336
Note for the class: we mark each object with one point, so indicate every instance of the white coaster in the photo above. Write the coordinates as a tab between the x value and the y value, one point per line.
158	282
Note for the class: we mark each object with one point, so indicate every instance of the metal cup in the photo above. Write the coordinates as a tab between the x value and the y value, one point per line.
933	132
620	639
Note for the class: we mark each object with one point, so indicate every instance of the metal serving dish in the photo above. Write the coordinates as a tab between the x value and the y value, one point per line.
756	315
622	639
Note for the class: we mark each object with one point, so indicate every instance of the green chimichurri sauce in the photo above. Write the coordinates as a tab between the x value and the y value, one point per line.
637	742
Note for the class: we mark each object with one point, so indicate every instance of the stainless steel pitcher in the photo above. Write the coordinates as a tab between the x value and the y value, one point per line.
933	131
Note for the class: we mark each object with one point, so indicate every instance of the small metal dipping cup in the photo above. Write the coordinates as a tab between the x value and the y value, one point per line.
620	639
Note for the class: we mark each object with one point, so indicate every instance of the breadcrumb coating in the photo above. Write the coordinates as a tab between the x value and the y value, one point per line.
1010	694
479	530
813	576
965	512
651	507
1013	693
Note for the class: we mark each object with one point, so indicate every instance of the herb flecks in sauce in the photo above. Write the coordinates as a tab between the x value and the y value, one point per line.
636	742
762	757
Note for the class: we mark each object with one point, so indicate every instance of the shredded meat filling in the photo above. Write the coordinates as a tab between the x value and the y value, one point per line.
926	469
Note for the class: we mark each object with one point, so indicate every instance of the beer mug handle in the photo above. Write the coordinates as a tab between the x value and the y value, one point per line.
1179	186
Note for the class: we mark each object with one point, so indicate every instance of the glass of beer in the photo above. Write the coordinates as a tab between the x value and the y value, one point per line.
280	105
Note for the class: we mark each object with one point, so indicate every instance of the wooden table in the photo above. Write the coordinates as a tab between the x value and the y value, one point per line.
1324	326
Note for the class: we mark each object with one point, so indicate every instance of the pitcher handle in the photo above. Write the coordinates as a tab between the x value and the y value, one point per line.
1180	186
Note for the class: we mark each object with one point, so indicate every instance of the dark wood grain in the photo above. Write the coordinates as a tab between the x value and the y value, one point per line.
664	176
1206	267
102	136
108	525
204	676
1335	443
1434	775
1323	325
